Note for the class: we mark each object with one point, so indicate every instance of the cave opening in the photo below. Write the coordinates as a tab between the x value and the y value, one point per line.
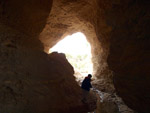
78	52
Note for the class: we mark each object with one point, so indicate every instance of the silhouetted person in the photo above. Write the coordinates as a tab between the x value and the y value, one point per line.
86	85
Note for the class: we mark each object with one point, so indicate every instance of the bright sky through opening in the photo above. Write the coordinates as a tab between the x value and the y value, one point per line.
75	45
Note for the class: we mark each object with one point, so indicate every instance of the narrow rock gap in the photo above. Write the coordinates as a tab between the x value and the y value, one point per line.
78	52
72	47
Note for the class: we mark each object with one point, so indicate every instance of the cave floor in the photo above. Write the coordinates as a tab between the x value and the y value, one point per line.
111	103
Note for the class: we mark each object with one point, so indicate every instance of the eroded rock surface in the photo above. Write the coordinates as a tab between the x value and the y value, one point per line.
122	29
129	52
31	81
118	32
37	83
111	103
68	17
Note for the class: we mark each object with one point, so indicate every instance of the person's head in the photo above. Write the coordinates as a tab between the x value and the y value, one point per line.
89	76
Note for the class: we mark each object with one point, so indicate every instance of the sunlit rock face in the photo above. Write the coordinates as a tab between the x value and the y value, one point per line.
68	17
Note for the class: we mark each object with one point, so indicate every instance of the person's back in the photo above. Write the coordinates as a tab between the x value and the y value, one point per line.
86	84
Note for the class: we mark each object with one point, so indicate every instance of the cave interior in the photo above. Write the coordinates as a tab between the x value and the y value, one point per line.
34	81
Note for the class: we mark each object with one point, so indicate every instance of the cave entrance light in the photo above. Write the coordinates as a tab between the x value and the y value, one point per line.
78	53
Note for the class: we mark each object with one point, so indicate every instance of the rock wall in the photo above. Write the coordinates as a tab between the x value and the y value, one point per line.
121	30
122	27
26	19
68	17
118	32
32	81
37	83
129	52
